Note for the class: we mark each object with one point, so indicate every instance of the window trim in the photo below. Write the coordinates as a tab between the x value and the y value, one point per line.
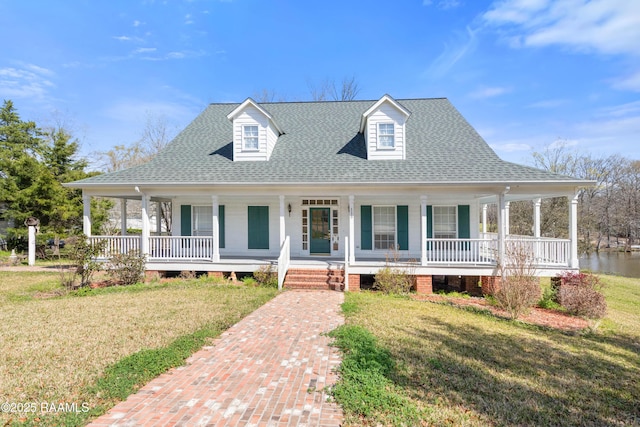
244	137
392	135
373	227
433	220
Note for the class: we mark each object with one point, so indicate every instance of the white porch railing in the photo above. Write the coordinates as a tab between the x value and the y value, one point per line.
546	251
115	244
283	261
461	251
181	247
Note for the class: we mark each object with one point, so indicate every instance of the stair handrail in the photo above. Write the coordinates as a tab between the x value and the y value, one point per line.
346	263
284	260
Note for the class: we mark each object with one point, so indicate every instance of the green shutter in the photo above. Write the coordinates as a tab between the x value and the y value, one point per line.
366	228
185	220
464	230
258	227
221	226
429	222
402	213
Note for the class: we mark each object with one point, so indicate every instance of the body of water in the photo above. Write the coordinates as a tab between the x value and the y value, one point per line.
620	263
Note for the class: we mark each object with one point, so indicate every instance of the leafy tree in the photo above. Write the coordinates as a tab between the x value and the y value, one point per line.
33	166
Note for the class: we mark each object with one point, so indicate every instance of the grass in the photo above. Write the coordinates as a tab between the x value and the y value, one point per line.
97	347
458	367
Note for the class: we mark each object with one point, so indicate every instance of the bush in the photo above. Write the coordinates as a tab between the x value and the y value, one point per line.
127	269
519	288
83	257
581	295
549	298
266	276
391	280
394	278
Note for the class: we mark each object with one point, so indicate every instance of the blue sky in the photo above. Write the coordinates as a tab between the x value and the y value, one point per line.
525	73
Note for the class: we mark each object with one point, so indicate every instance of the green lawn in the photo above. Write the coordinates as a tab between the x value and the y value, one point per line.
460	367
98	348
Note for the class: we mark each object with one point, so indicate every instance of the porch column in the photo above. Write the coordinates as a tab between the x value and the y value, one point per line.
144	243
86	214
536	217
283	232
573	230
352	227
507	227
484	218
159	218
123	217
423	230
501	225
215	251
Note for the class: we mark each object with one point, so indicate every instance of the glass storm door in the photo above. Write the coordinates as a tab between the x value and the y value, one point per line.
320	233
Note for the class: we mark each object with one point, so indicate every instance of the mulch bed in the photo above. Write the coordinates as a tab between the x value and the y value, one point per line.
536	316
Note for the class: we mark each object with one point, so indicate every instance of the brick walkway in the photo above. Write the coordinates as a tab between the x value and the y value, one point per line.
270	369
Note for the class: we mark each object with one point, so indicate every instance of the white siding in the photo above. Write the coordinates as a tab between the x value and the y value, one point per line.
386	113
267	136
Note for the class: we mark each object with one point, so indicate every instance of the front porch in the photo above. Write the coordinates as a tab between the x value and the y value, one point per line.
439	234
465	257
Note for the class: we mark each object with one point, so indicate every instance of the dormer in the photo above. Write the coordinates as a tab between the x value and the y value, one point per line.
383	127
255	133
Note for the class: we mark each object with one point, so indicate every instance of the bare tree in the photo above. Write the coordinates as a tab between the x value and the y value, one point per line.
329	90
155	136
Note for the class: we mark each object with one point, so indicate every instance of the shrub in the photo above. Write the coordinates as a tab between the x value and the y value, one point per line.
127	269
266	276
549	298
519	288
83	257
394	278
249	281
581	295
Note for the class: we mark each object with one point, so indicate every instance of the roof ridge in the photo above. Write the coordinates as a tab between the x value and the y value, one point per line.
328	101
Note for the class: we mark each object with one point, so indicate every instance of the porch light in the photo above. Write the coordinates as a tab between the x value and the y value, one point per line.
289	207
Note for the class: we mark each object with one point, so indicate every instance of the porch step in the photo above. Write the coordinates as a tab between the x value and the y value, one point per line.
331	279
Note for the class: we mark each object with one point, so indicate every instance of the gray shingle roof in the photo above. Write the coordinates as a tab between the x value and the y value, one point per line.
321	144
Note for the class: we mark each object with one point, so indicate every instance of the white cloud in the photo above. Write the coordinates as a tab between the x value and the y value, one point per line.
549	103
145	50
443	4
629	82
26	81
489	92
188	19
128	39
600	26
511	147
137	23
452	53
621	110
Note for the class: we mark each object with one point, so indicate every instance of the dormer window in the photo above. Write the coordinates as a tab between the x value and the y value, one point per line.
386	136
255	133
250	138
383	127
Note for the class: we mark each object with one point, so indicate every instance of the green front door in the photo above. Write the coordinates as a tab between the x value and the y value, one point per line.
320	233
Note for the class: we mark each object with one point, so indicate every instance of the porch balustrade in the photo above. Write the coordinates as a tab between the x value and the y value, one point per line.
546	252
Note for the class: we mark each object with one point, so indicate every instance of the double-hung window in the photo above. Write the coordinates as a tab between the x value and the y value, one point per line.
445	222
384	227
386	135
250	137
202	221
